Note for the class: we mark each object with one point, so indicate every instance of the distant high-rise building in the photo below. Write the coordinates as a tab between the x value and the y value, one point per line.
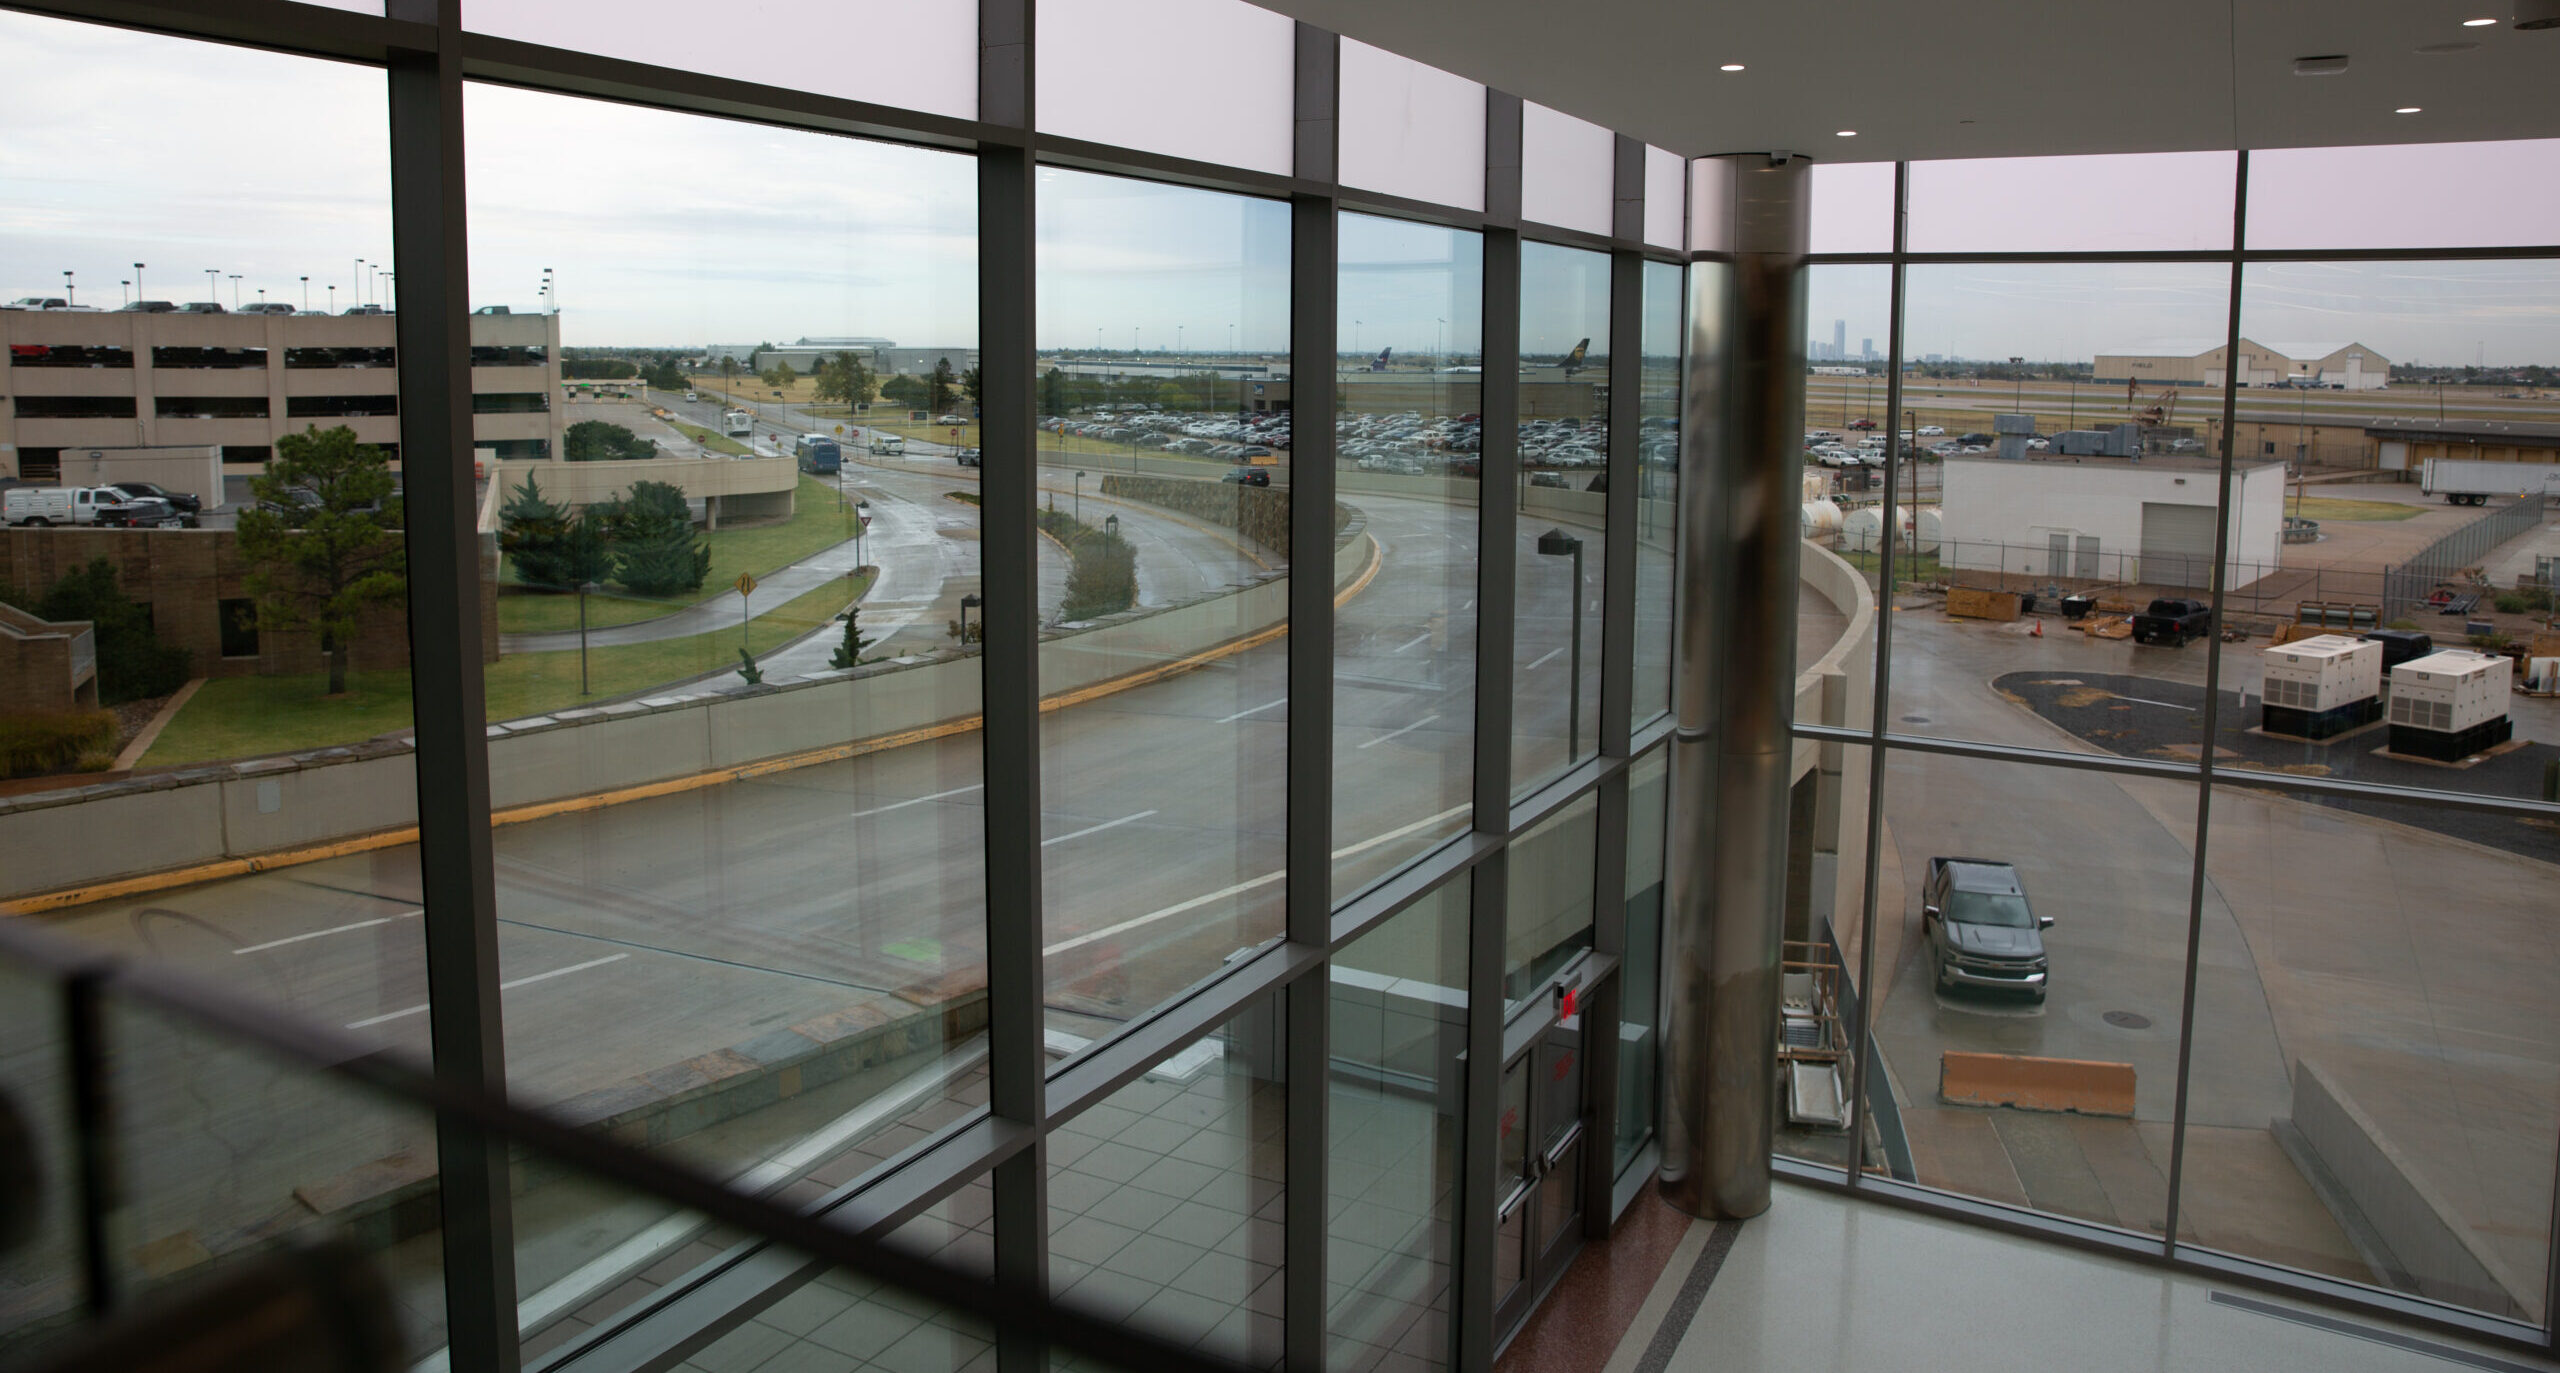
1867	349
1839	338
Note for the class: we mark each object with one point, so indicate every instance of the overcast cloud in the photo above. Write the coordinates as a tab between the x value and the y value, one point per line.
680	230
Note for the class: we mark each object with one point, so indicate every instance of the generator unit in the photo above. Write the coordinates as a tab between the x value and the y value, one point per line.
2450	704
2320	686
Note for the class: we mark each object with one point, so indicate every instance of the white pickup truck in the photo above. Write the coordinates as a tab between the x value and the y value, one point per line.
43	505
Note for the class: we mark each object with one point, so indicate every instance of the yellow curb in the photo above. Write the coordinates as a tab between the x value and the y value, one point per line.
517	815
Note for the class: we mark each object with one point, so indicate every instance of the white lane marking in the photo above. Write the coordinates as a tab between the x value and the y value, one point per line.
1543	659
315	934
1421	638
1427	719
1470	605
1257	710
503	986
644	1248
1222	893
2170	705
915	801
1096	829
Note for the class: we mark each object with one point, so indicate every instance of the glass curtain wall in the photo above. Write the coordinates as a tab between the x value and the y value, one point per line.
2206	751
1564	445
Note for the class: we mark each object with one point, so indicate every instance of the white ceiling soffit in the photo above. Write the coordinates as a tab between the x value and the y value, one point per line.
1993	78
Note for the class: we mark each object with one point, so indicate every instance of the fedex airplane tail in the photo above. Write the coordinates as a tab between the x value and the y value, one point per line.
1379	363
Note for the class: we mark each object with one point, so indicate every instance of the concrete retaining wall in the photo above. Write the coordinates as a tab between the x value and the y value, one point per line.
285	808
2411	1234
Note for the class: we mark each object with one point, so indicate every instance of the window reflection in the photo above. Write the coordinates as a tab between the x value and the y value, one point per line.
1564	446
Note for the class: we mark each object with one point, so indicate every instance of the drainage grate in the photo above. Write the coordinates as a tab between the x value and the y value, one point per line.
1915	719
2128	1020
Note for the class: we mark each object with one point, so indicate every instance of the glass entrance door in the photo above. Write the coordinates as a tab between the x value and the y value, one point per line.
1539	1163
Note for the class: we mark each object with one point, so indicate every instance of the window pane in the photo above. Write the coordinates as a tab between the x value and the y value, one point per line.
2110	861
1407	465
1414	131
1399	1010
1551	873
1666	199
1825	876
848	1322
2285	184
1164	534
1640	1003
1852	207
740	920
1195	55
1166	1199
1567	170
303	660
2080	483
1657	485
2400	1043
838	49
1564	445
1979	204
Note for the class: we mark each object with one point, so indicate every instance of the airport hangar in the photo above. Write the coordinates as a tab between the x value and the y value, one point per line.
2334	367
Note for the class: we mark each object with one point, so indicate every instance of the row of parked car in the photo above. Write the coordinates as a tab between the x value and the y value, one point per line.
171	307
117	505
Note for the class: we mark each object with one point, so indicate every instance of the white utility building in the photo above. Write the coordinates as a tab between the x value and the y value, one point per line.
2147	521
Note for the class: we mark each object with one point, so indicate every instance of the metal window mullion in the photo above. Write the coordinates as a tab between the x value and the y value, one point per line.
456	858
2212	722
1314	282
1010	659
1862	1032
1625	419
1498	468
1478	1229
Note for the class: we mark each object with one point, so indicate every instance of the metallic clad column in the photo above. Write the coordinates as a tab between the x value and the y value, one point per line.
1742	418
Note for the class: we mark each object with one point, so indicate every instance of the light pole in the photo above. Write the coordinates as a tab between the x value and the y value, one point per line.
861	526
70	293
333	298
1079	497
387	279
968	603
235	292
212	284
306	295
355	283
124	293
1556	543
583	589
137	289
2017	384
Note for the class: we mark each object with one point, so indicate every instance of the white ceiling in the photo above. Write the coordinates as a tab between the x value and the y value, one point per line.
2030	76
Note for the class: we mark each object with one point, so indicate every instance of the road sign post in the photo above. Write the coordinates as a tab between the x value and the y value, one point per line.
746	585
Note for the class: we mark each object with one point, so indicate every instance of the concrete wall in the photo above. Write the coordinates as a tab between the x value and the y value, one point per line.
589	483
1989	503
2410	1233
44	664
1838	689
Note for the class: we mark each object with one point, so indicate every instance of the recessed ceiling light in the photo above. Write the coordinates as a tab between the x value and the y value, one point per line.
2477	23
1732	66
2406	109
1848	133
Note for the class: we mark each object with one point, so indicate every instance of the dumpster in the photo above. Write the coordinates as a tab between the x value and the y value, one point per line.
2077	607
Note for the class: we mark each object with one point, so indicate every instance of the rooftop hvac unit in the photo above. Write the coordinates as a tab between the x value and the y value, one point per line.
2320	686
2450	704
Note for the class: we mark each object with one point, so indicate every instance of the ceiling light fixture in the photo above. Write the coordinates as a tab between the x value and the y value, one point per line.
1848	133
2406	109
2330	65
1732	66
2477	23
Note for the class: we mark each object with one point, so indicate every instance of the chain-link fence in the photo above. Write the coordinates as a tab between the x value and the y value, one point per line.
2407	586
2060	569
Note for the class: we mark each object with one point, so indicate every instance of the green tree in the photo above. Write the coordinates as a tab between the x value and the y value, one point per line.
849	652
597	369
969	383
604	441
1053	391
779	376
133	665
1102	580
650	532
728	370
323	540
940	385
845	378
903	390
664	375
532	532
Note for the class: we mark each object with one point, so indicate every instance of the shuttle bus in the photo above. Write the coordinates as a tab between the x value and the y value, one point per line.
737	424
819	453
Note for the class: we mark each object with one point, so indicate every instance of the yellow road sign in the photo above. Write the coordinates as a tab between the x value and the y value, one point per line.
746	583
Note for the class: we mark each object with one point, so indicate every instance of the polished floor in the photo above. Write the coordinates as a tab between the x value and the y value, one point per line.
1820	1282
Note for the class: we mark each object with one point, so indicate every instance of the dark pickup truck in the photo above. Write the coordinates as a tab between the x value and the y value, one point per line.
1982	934
2172	621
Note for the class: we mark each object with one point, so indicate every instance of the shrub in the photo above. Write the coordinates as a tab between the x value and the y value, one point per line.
2509	603
133	665
650	531
35	744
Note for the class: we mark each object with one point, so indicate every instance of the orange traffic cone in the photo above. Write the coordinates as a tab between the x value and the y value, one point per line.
2036	630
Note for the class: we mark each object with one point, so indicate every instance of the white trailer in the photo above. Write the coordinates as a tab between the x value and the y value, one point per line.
2451	704
737	424
2471	481
2320	686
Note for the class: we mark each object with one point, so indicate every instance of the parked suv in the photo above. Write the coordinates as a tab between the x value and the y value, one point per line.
191	506
1981	932
970	457
1248	476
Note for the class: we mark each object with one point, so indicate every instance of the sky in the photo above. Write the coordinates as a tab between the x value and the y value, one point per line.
682	230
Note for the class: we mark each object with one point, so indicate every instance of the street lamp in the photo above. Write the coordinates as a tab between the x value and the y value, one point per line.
306	295
70	294
2017	384
968	603
212	284
1111	525
137	281
235	291
123	291
583	589
1079	497
1556	543
861	526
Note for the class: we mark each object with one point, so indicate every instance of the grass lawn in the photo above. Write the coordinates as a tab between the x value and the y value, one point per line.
244	717
711	442
2332	508
818	521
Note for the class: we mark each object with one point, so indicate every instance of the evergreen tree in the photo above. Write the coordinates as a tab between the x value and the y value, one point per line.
1053	391
904	390
849	652
655	552
604	441
940	385
532	532
1102	579
969	384
132	664
323	540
